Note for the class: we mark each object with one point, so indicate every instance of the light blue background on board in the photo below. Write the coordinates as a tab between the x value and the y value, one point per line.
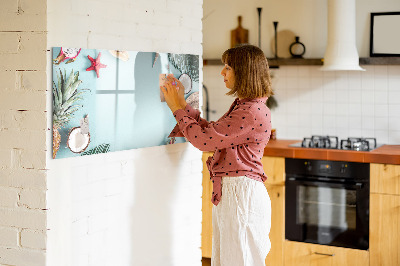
123	104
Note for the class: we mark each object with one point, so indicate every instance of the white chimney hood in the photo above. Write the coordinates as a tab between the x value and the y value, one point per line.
341	51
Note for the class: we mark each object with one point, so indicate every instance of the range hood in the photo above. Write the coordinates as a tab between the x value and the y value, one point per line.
341	51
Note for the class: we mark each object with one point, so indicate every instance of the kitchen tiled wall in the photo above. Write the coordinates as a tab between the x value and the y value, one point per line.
340	103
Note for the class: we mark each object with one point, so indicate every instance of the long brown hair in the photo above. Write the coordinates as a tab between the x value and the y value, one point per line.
250	66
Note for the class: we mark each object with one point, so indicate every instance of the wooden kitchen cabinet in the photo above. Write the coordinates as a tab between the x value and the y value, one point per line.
384	236
305	254
277	233
385	178
274	168
206	225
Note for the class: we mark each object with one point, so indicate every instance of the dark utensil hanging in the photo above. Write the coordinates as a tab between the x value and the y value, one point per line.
259	9
276	38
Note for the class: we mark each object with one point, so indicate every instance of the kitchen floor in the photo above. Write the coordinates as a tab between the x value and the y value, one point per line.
206	261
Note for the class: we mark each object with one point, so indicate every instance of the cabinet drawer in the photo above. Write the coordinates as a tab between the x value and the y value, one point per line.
305	254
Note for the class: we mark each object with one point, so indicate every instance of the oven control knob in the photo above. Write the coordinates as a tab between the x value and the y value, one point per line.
343	168
308	166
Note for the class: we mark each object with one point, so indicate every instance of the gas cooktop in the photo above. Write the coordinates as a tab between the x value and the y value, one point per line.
332	142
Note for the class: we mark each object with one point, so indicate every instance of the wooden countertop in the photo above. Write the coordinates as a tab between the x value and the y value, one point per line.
389	154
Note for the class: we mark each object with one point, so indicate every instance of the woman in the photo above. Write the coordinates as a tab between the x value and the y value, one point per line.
242	207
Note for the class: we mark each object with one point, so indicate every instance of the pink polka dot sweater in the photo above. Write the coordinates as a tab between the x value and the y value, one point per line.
238	139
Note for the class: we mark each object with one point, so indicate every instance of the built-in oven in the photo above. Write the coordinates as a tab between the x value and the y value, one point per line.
327	202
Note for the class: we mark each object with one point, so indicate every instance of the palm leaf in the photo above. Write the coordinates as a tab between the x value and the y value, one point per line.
103	148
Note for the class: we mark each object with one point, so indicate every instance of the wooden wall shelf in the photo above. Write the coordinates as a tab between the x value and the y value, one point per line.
273	63
380	61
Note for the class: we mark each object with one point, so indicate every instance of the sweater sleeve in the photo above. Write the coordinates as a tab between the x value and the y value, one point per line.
231	130
193	113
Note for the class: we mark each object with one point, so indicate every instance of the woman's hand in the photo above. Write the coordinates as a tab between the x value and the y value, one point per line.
175	98
181	91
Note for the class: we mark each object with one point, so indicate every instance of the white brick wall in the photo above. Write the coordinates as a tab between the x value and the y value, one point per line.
23	132
135	207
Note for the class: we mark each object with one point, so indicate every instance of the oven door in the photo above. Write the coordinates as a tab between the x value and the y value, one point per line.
327	213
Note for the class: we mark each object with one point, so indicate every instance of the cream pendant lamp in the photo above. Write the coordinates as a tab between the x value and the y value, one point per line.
341	51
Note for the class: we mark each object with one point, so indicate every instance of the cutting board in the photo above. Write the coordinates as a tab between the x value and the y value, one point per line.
239	35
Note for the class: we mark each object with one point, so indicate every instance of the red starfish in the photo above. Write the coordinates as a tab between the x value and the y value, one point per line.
96	65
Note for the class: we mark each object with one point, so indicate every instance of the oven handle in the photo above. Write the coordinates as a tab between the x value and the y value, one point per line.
357	185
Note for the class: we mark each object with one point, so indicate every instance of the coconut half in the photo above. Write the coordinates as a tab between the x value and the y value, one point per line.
77	142
186	82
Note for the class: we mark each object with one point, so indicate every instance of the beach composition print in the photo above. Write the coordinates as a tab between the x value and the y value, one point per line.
110	100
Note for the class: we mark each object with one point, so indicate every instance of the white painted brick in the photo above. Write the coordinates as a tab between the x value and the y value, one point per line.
32	55
24	119
23	139
97	173
149	6
136	17
7	80
23	100
33	7
9	237
9	42
35	159
114	186
8	6
8	197
5	158
31	80
190	22
17	256
154	32
16	158
33	239
105	41
98	222
140	44
197	10
22	218
80	228
196	37
23	178
179	7
33	199
166	46
23	22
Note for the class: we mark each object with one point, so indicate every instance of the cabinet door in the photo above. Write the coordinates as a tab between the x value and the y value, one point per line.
277	233
274	168
384	229
206	232
305	254
385	178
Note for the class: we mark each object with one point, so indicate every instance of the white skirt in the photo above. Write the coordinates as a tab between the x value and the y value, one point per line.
241	223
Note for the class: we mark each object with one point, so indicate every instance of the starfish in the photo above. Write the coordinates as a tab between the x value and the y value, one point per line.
96	65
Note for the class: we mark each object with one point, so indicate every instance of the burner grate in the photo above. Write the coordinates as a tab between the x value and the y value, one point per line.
327	142
358	144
